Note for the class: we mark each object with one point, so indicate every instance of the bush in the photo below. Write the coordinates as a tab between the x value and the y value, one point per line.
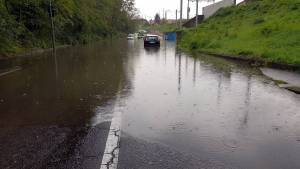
266	31
258	21
193	45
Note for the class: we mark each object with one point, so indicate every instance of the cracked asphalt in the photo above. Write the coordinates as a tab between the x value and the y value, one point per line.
111	153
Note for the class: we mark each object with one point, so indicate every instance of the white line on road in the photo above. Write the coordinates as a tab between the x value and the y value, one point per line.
111	153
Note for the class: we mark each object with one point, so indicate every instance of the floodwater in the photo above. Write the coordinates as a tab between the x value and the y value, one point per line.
218	109
66	93
215	108
55	113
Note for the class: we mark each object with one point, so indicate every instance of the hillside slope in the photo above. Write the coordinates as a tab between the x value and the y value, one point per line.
25	24
266	30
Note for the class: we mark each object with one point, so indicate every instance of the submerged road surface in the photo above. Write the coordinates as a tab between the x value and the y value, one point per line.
169	110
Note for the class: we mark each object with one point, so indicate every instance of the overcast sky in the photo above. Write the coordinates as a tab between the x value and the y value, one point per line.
148	8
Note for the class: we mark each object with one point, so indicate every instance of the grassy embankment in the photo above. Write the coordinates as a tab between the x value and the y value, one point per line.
263	30
25	24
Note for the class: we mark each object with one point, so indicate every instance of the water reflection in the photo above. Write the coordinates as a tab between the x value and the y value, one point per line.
244	121
55	63
219	109
195	71
151	50
219	95
64	87
179	72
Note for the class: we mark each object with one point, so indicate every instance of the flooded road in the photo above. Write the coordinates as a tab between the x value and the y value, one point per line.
213	108
58	116
179	111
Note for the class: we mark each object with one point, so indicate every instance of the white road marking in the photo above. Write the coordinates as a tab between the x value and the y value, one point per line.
111	153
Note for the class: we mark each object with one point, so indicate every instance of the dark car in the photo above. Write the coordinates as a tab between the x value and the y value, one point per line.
151	40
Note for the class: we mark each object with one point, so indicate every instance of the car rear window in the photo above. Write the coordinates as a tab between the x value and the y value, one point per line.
152	38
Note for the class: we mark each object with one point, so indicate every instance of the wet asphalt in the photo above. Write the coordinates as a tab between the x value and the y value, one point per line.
137	153
55	147
178	111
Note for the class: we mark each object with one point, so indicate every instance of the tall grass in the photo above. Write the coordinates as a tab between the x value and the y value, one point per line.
267	30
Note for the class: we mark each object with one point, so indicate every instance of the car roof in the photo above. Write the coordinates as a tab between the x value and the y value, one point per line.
152	35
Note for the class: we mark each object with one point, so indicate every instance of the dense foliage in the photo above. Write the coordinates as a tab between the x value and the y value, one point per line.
267	30
26	23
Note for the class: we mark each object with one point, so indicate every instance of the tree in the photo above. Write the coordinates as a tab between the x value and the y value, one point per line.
129	8
25	23
157	18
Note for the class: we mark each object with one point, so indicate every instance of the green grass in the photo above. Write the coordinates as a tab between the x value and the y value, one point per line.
266	30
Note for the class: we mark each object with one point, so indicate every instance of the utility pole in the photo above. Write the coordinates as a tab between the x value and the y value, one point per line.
188	10
197	6
52	25
166	15
181	8
176	18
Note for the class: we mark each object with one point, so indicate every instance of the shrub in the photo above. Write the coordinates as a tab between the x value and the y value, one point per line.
193	45
258	21
266	31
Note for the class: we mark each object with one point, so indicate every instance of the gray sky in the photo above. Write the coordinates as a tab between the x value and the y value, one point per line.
148	8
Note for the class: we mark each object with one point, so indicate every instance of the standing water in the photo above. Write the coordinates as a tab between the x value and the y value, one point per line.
210	107
215	108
